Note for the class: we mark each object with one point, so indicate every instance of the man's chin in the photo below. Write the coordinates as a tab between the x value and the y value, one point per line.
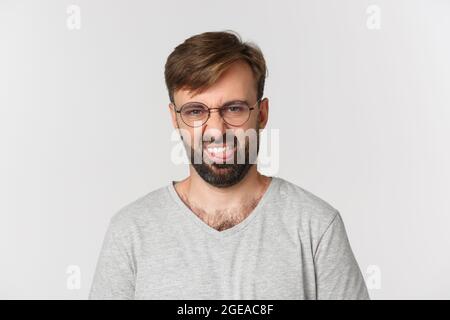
221	166
222	175
218	170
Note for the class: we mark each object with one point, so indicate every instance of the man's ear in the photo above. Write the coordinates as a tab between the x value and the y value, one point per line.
263	116
173	115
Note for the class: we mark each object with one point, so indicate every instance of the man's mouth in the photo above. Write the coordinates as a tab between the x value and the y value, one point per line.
220	153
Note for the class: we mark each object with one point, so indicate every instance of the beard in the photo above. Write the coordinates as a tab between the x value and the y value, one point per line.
223	175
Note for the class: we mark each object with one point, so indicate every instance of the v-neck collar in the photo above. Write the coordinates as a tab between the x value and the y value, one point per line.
187	212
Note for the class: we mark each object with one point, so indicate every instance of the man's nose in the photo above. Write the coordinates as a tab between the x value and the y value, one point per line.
215	128
216	121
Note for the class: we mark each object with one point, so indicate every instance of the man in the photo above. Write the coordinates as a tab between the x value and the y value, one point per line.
226	231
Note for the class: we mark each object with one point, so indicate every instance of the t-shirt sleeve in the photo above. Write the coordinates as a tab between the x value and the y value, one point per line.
338	276
114	274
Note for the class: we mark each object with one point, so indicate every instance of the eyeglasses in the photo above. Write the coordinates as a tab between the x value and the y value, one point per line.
234	113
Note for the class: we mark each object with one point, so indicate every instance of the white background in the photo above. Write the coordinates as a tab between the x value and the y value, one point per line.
363	116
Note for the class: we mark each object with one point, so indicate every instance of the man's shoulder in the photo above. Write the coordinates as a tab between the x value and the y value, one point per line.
305	205
142	209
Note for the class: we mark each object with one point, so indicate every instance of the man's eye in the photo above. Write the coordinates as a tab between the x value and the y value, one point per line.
234	109
194	111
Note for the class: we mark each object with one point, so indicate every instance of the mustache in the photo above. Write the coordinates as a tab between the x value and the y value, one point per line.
225	139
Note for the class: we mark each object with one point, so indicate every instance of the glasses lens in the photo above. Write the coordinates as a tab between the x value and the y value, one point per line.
236	114
194	114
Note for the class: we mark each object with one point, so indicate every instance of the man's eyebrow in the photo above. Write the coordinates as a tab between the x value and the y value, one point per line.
226	103
233	101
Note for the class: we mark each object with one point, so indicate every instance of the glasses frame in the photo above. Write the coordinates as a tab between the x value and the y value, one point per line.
219	109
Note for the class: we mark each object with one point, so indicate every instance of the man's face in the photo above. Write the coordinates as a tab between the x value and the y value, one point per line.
221	153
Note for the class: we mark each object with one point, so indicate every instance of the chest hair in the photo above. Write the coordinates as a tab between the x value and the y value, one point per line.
225	218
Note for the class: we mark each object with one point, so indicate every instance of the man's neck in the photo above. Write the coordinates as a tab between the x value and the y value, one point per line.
195	189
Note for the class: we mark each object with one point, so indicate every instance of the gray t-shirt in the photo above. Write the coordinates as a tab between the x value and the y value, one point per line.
293	245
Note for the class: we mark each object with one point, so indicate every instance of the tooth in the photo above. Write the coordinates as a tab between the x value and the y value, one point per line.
219	149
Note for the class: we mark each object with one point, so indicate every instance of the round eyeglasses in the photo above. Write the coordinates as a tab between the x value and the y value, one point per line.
234	113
